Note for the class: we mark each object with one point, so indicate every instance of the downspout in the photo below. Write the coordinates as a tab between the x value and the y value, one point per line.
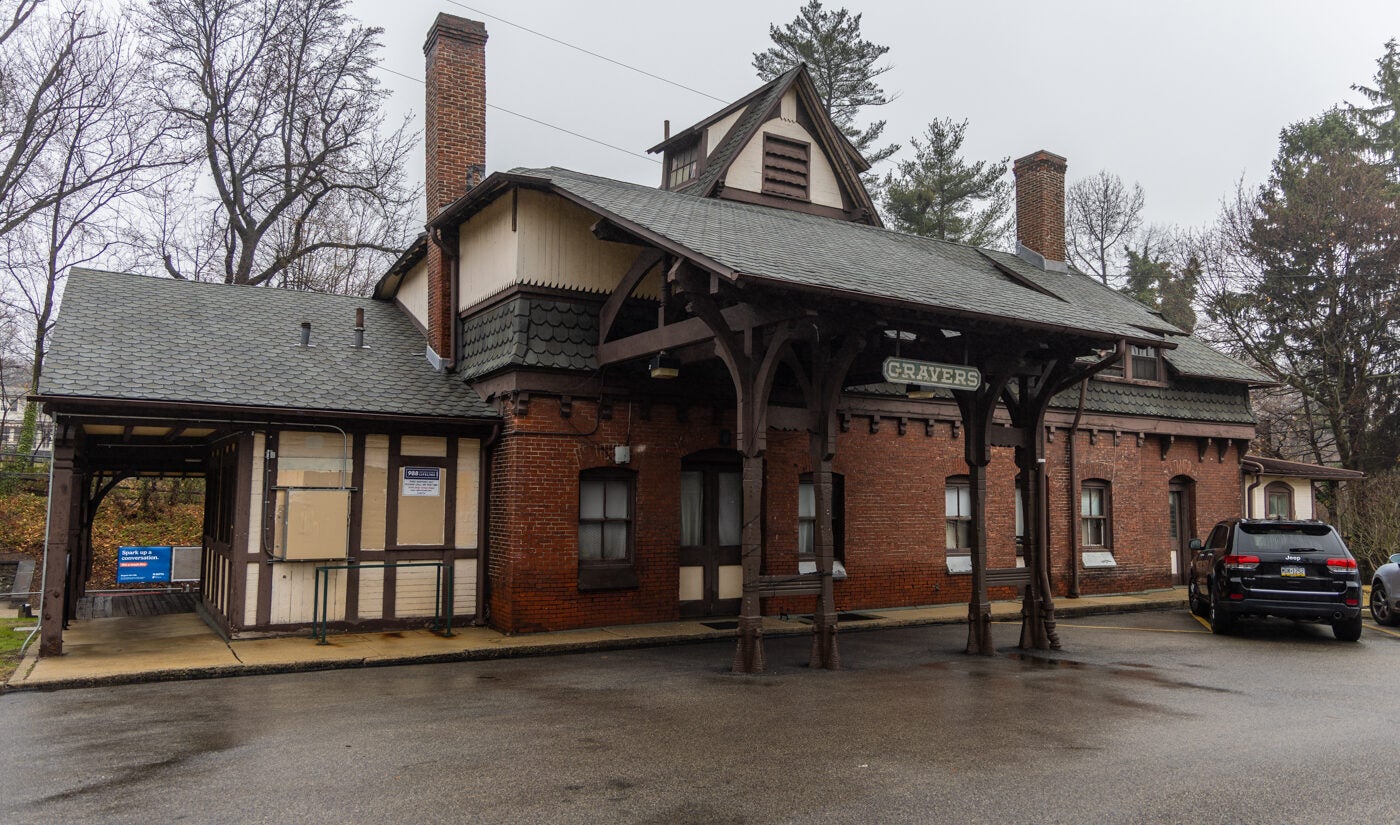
483	529
450	257
1073	486
1258	470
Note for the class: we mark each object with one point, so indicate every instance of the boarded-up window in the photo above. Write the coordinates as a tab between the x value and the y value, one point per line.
785	165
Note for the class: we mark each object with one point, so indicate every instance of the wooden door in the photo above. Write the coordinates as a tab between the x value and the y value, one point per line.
1181	525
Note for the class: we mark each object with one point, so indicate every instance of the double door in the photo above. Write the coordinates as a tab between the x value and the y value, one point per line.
711	574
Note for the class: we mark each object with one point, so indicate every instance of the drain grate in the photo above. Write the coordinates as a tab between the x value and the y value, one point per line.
721	625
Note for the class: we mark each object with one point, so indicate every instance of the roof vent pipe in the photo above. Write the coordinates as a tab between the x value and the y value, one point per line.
666	129
306	333
359	328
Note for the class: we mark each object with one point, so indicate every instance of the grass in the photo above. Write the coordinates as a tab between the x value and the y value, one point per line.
10	643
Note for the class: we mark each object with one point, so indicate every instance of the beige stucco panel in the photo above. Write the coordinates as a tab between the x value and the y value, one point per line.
313	459
413	292
250	594
293	593
468	470
255	511
692	584
720	128
371	605
464	587
731	581
374	497
746	173
488	250
414	592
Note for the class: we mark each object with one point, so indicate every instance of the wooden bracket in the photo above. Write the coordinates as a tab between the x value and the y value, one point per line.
845	419
902	424
1049	435
1202	445
874	424
1221	447
1117	438
522	404
1093	438
1141	439
566	406
605	410
957	428
1166	442
929	424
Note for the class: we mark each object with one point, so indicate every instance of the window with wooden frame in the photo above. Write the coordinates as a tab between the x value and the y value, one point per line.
786	165
1139	364
1278	500
681	165
1095	517
807	518
1020	517
606	504
957	514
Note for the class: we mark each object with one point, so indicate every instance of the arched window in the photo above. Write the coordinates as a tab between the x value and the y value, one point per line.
606	503
1095	515
1278	500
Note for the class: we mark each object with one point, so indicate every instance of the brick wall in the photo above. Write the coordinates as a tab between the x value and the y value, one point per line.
894	534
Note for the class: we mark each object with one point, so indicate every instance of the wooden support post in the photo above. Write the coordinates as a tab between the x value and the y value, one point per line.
979	608
824	654
61	493
748	654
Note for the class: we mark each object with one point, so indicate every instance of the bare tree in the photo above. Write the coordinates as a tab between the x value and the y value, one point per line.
1102	216
282	111
103	145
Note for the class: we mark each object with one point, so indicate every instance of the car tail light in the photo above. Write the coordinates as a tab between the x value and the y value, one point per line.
1341	565
1241	562
1239	597
1353	602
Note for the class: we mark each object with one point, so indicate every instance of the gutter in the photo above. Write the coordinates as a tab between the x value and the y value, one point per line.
1257	470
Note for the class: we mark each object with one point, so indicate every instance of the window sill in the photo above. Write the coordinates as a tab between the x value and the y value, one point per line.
1098	559
805	567
613	577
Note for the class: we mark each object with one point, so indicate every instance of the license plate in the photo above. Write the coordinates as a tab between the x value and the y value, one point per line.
1292	570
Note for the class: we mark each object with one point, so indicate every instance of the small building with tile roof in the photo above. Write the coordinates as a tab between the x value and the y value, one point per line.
593	402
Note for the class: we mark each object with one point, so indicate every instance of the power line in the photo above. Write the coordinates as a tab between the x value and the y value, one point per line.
540	122
587	52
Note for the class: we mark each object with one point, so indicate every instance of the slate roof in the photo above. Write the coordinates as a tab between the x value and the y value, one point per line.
864	262
1193	356
130	337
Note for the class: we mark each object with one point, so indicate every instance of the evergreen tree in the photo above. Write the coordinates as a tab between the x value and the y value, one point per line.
940	195
1303	278
1158	284
842	65
1380	121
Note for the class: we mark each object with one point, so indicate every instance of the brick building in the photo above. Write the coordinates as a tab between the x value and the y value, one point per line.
732	394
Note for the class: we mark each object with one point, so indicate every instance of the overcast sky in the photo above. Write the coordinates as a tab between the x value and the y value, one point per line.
1183	97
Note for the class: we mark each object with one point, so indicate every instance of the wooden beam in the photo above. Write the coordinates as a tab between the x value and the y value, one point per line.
741	317
645	261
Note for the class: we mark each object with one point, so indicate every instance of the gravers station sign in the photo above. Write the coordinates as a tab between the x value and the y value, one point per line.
932	374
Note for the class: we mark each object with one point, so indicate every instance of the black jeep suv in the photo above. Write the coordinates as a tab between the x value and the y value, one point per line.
1297	570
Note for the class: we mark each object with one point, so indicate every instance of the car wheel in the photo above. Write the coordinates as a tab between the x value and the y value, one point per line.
1380	606
1194	599
1221	623
1348	630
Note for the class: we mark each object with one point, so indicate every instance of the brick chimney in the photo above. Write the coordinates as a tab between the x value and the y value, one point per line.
1040	205
454	130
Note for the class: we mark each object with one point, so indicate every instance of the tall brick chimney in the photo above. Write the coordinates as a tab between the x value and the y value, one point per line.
454	131
1040	205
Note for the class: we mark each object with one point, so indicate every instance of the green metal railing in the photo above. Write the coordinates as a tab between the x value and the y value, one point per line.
443	594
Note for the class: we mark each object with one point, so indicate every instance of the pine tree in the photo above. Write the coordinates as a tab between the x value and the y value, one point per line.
1380	121
1157	283
842	65
940	195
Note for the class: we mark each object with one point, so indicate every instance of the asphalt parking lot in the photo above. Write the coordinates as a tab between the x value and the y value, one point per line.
1142	717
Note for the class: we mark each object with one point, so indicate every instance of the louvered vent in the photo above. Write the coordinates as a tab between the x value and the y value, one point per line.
785	165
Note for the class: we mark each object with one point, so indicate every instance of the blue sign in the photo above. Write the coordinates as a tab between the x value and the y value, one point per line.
143	564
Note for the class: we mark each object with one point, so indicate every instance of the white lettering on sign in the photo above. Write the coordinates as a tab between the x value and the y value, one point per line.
929	374
422	481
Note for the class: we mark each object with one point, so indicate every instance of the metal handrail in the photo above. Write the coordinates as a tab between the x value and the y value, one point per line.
443	596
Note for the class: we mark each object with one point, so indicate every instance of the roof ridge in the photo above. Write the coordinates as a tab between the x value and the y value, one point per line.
103	273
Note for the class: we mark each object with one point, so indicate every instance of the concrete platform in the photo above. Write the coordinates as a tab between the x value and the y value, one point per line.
182	646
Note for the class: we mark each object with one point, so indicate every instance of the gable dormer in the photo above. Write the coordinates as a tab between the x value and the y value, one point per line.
776	147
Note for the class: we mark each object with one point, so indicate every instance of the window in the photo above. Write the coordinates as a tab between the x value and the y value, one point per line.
1140	364
605	506
1147	365
1020	516
957	512
807	518
1094	528
785	167
682	165
1278	500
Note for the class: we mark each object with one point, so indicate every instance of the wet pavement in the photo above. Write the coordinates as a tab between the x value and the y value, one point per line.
1142	718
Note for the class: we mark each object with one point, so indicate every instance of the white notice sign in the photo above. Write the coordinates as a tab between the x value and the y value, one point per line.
422	481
